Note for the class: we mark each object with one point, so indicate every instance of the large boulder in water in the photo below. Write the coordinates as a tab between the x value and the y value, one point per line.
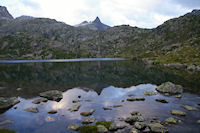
170	88
6	103
54	95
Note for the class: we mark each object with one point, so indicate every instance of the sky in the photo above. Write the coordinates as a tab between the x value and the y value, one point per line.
140	13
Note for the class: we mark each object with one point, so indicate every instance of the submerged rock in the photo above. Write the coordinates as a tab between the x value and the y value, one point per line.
135	99
117	125
106	108
74	127
102	129
37	101
198	121
89	120
87	113
177	112
135	118
136	113
150	93
49	119
33	110
178	96
117	106
54	95
170	88
53	111
134	130
74	108
76	101
6	103
170	120
189	108
139	125
162	100
157	128
6	122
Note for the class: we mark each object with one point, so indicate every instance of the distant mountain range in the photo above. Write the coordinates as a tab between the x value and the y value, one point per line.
94	25
175	41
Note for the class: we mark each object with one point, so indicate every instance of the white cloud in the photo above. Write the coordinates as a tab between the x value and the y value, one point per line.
140	13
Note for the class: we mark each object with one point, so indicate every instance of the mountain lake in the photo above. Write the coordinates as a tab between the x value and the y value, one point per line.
102	84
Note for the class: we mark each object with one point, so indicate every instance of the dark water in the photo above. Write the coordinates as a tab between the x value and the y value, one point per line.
105	83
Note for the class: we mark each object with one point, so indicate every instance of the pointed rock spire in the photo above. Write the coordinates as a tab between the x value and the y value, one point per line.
97	20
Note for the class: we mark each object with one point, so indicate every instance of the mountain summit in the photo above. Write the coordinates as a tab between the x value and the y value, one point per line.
94	25
4	13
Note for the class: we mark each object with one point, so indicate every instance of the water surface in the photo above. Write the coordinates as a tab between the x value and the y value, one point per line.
105	83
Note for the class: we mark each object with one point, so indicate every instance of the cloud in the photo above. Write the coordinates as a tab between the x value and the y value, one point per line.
140	13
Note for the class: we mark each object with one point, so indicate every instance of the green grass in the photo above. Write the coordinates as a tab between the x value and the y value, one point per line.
6	131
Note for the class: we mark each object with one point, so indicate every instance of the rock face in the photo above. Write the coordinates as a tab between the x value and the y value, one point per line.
95	25
4	13
54	95
6	103
170	88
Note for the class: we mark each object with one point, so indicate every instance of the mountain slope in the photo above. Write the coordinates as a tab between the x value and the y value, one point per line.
95	25
4	13
175	41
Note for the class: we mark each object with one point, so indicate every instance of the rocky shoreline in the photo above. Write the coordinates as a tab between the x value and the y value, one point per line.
135	123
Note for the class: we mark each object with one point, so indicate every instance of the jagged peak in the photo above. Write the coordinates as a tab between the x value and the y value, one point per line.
4	13
97	20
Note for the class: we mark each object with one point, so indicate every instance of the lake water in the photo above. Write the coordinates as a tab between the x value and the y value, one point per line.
104	82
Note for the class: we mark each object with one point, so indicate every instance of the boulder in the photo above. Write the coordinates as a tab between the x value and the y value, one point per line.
133	130
74	108
89	120
177	112
149	93
54	95
76	101
162	100
32	110
135	99
38	101
117	106
87	113
106	108
117	125
102	129
136	113
74	127
170	88
139	125
6	103
53	111
157	128
170	120
189	108
135	118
